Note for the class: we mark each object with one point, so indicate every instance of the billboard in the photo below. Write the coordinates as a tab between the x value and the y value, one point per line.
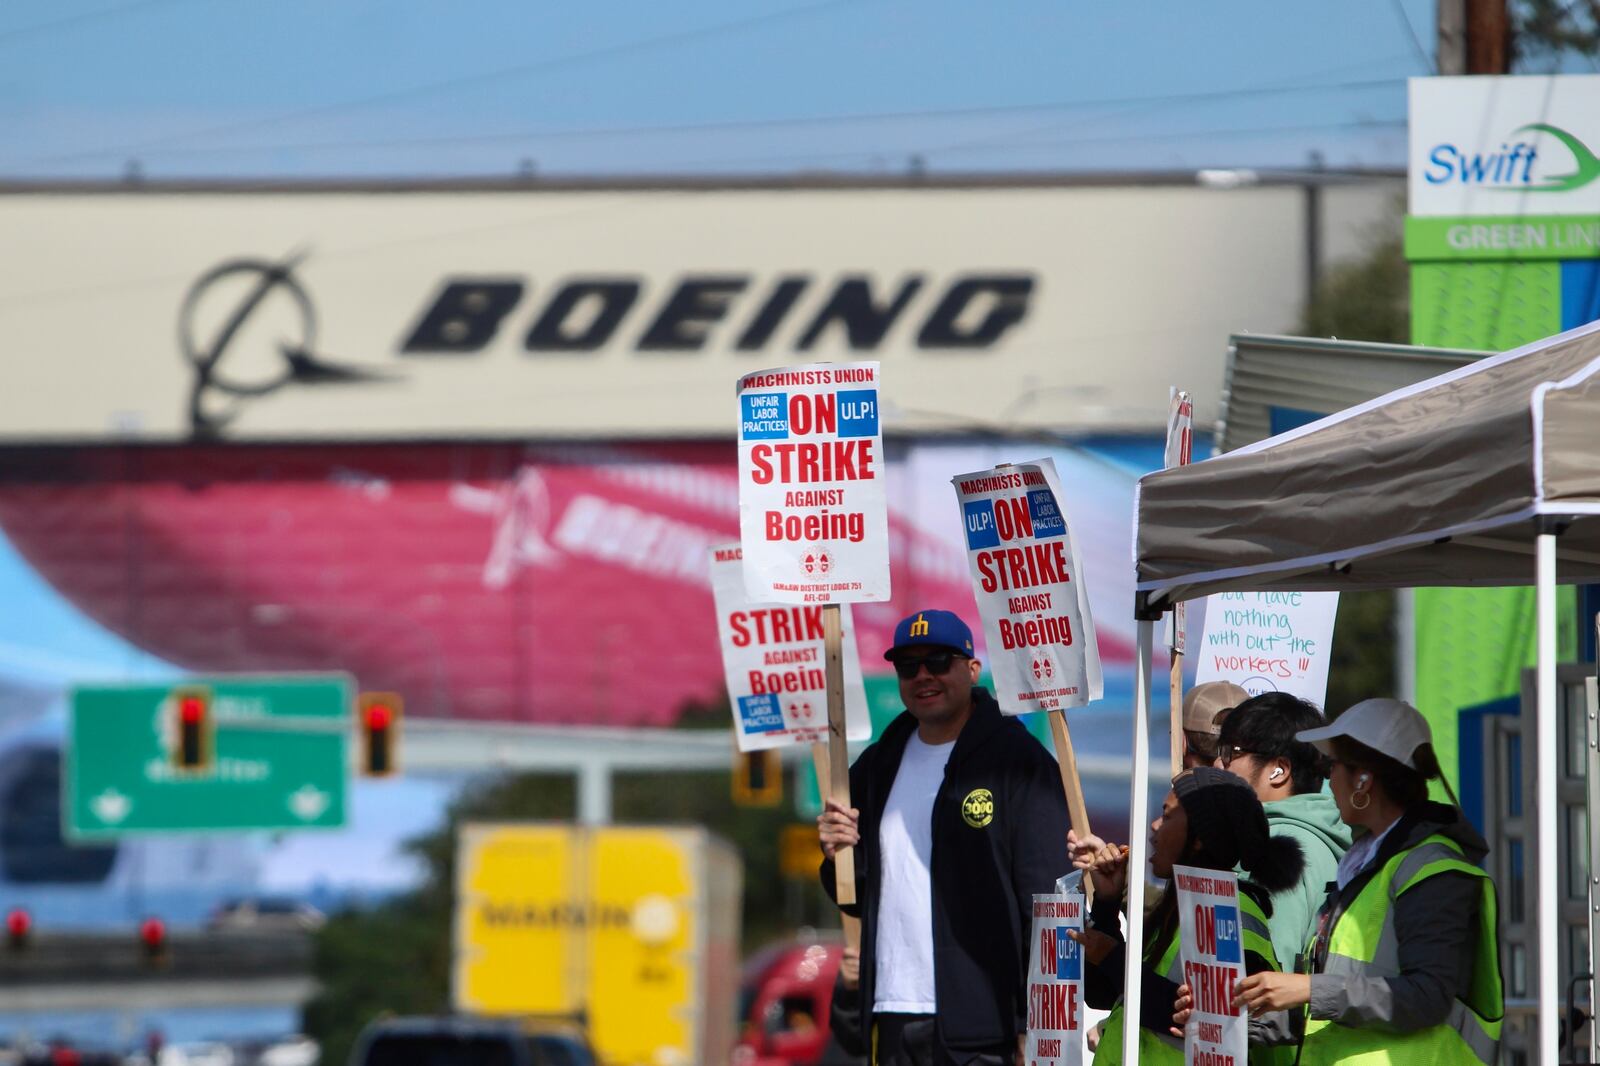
606	312
552	583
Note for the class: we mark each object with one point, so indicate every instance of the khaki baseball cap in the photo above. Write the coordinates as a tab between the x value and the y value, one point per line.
1390	727
1204	702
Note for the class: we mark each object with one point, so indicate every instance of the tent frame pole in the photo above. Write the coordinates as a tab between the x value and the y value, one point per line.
1546	731
1138	806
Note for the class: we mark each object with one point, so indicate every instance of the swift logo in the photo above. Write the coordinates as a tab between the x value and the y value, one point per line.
1512	167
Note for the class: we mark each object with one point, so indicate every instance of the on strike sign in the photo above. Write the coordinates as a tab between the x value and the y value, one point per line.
773	657
1055	983
812	513
1029	588
1218	1030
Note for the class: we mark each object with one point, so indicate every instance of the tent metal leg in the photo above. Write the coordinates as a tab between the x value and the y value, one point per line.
1138	805
1547	730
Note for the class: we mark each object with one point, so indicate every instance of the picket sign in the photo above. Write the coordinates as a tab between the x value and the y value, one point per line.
814	518
1213	962
774	661
1270	642
1055	1030
1032	601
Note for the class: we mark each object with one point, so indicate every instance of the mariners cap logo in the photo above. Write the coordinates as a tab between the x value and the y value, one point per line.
977	810
919	628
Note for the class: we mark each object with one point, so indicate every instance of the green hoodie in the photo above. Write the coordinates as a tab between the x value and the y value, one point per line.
1313	819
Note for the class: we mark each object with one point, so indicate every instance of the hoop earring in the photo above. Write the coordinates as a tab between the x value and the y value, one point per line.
1360	795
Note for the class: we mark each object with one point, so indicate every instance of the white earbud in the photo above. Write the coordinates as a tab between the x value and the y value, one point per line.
1277	772
1361	782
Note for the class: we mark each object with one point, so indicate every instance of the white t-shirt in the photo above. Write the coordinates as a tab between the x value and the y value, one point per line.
904	974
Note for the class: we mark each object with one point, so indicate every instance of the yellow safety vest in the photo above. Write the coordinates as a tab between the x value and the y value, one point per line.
1362	943
1164	1049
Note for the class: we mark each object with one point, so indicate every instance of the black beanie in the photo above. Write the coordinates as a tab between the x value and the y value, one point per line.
1229	823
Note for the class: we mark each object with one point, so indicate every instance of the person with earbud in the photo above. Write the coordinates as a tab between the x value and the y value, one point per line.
1404	966
1258	743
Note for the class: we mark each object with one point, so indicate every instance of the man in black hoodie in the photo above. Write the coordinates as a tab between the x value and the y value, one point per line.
959	819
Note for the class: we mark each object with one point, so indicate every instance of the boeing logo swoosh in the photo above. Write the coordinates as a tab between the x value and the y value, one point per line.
295	361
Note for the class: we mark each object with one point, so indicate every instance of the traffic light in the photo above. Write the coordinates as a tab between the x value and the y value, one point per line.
380	733
153	940
19	924
758	778
192	708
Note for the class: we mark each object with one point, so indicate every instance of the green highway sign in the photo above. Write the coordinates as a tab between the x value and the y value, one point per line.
276	759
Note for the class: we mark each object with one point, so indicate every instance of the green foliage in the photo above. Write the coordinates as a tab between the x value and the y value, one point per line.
395	958
1550	29
1365	300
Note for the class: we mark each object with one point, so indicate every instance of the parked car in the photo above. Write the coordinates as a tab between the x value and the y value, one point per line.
463	1041
265	914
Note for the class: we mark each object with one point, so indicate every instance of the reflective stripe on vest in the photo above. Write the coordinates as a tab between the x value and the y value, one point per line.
1164	1048
1363	943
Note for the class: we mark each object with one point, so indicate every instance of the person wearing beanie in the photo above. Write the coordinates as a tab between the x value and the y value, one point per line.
1211	819
1404	966
1258	744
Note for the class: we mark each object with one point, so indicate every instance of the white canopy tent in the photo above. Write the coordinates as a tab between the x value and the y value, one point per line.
1487	475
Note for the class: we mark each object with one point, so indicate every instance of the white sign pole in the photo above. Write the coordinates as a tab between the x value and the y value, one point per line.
1209	924
1055	983
1180	451
814	519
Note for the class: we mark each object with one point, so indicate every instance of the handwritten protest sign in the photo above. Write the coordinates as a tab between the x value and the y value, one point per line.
772	655
1029	587
1270	642
1218	1030
1055	983
813	517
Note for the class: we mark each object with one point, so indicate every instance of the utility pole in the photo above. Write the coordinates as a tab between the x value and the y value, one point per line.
1452	46
1488	37
1474	37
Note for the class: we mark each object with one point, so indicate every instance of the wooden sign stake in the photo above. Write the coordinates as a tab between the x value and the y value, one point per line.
819	760
844	859
1179	743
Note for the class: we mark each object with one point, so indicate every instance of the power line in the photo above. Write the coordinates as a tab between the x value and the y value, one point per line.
1174	135
487	77
81	18
769	123
1423	57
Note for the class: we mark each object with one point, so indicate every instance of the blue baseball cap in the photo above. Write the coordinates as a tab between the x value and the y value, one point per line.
939	629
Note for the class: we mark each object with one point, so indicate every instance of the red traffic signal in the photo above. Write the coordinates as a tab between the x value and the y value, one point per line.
194	747
19	923
379	717
153	938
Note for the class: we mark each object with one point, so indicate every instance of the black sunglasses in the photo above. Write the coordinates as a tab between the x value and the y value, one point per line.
1226	753
937	662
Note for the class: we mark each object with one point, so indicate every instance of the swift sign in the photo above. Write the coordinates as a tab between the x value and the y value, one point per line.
1505	146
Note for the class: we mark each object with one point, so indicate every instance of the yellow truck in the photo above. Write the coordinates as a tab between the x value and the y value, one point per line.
631	931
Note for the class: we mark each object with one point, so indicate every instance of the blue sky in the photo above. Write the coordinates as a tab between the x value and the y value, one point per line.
393	88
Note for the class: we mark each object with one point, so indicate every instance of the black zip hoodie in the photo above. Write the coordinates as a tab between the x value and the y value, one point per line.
987	864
